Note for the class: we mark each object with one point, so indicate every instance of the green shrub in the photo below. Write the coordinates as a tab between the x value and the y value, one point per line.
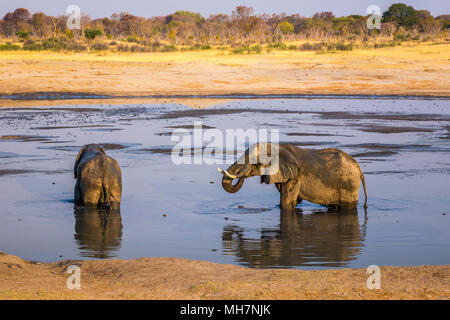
292	47
54	44
32	46
169	48
91	34
339	46
279	46
384	45
9	47
132	39
23	34
197	47
256	49
286	27
401	36
311	46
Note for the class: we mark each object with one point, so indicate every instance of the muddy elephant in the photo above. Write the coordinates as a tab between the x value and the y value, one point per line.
99	179
327	177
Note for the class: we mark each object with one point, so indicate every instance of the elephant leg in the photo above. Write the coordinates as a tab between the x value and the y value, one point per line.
77	194
289	192
114	199
278	186
91	194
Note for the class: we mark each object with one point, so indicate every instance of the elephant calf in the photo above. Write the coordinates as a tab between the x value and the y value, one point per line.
328	177
99	178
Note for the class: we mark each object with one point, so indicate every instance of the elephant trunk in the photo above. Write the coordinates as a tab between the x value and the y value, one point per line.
227	184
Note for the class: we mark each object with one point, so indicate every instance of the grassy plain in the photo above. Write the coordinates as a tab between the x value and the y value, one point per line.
409	69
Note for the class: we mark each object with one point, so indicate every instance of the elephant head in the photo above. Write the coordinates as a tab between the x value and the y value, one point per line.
91	149
273	163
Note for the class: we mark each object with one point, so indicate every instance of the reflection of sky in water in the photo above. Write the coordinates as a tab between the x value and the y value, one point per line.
407	177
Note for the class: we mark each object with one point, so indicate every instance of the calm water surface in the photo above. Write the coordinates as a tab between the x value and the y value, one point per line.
402	146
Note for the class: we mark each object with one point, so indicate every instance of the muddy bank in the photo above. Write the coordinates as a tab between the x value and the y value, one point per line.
174	278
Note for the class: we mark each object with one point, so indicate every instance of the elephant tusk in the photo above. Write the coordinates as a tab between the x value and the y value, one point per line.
225	172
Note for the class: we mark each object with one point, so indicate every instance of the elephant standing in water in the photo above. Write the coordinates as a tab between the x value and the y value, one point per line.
99	178
328	177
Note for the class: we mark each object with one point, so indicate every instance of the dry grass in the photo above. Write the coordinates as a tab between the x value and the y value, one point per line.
422	69
172	278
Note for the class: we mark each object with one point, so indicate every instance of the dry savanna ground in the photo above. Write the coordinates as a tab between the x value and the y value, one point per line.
419	69
173	278
407	70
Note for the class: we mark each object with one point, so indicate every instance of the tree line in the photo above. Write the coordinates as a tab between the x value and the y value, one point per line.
242	27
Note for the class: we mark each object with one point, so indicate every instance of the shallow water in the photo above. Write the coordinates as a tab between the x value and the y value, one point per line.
402	146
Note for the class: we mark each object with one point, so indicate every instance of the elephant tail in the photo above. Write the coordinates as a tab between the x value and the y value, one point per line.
365	192
106	194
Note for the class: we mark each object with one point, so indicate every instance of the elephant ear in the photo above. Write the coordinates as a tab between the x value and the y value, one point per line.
77	160
288	167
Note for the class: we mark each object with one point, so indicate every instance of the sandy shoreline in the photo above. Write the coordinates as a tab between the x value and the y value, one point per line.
175	278
408	70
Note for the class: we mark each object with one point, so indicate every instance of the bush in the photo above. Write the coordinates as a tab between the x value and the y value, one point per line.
197	47
384	45
292	47
132	39
286	27
59	44
169	48
32	46
99	46
401	36
55	44
311	46
256	49
339	46
23	35
9	47
279	46
92	33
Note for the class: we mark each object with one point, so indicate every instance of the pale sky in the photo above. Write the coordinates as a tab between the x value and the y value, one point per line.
148	8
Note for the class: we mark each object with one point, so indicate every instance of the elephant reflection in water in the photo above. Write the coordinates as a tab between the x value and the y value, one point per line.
318	239
98	232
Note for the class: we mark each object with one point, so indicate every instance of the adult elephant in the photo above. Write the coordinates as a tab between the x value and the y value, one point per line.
328	177
99	178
